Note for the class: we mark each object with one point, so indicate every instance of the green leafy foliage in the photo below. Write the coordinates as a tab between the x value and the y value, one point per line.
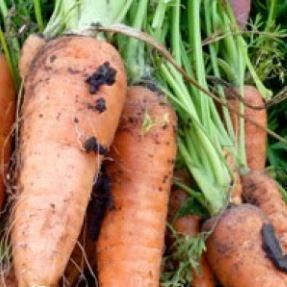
183	259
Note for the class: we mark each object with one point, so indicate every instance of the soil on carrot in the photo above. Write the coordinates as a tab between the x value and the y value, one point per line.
101	201
91	144
105	75
272	247
99	106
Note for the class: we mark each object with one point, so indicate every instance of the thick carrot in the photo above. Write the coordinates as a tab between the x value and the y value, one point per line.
241	10
131	240
7	117
235	249
74	94
262	191
189	225
255	138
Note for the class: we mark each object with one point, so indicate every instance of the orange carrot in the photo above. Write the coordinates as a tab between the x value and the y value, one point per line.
189	225
7	117
235	249
255	138
131	240
262	191
74	94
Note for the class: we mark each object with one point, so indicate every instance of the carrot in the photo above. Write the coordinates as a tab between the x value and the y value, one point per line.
262	191
74	94
255	138
189	225
235	252
7	117
131	240
241	10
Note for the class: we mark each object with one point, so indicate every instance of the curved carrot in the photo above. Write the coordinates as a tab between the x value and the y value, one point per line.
235	249
7	118
262	191
131	240
74	95
189	225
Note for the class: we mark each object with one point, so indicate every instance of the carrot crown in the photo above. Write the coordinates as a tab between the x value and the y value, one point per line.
78	16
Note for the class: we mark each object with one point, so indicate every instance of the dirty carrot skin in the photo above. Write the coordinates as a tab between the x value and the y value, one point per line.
255	138
262	190
7	118
189	225
131	239
235	252
74	94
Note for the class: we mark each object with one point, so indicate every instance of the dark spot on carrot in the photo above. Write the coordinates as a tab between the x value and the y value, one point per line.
272	247
165	178
53	58
92	144
101	201
100	105
73	71
76	120
105	75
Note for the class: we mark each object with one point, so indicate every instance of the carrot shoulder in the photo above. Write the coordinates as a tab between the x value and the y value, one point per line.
74	95
235	249
7	117
189	225
131	240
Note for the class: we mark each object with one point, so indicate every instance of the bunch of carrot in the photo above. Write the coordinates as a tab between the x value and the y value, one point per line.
96	146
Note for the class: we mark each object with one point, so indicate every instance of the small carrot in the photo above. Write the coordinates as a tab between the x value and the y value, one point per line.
235	249
7	118
74	94
189	225
262	191
131	239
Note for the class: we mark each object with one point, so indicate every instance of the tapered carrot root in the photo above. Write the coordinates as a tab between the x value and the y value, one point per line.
74	94
189	225
255	137
262	191
235	252
7	117
132	236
